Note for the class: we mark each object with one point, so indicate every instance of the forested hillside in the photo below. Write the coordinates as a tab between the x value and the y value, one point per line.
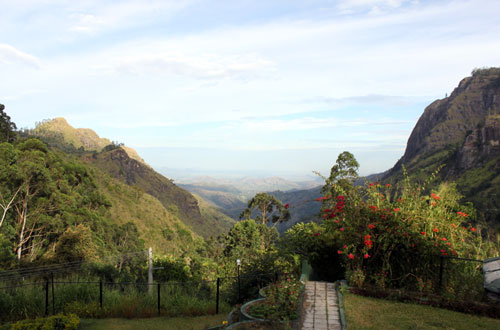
124	164
58	204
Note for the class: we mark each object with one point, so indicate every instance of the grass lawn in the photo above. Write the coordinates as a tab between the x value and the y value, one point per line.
370	313
163	323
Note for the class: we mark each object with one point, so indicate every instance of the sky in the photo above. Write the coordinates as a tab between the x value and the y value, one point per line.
268	87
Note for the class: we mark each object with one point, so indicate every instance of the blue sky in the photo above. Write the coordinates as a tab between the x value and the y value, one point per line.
278	87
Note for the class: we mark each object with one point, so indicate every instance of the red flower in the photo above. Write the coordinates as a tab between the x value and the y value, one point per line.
345	246
397	209
371	226
341	228
473	229
368	241
436	197
454	225
387	185
373	207
399	200
316	234
351	256
435	230
423	233
444	239
462	214
412	245
366	256
339	252
287	205
340	198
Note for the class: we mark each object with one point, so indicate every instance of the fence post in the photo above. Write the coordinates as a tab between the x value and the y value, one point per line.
46	297
53	297
217	297
159	301
441	266
100	293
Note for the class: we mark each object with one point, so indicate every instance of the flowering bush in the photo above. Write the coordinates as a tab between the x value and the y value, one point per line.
388	233
390	236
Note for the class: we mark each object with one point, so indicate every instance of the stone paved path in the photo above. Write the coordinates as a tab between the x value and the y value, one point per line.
320	307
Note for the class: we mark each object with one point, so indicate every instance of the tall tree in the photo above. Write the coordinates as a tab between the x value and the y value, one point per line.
342	175
268	208
7	127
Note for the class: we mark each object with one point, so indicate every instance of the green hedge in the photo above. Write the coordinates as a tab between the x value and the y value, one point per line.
56	322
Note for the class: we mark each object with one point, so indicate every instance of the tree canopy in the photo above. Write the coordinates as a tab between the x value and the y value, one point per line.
7	127
267	207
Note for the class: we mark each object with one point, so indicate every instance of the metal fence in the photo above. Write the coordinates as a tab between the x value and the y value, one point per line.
127	299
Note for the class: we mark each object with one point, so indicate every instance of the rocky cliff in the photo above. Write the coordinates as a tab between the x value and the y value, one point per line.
461	132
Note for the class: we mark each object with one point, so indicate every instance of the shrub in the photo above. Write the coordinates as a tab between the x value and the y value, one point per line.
55	322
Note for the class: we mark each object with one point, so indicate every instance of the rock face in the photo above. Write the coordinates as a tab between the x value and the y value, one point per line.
447	122
461	132
480	145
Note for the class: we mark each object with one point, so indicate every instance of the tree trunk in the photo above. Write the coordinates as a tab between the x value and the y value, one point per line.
23	226
7	206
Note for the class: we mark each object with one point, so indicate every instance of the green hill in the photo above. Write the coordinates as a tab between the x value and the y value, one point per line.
125	165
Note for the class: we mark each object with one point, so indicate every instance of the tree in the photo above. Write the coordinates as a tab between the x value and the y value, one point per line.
9	188
269	208
7	128
76	245
345	170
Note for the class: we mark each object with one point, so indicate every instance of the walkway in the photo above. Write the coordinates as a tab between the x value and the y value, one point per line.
320	310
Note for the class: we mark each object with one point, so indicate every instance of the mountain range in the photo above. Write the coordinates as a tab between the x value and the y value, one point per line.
459	135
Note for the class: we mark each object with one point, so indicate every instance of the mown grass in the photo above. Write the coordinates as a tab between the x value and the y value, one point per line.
157	323
370	313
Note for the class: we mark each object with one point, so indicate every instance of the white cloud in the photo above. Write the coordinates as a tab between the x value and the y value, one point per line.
96	16
12	55
206	66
